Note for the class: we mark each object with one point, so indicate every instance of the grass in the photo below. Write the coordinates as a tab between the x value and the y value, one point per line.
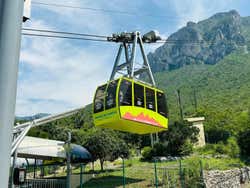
142	174
222	164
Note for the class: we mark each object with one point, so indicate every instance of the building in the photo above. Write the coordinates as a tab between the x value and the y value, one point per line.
198	123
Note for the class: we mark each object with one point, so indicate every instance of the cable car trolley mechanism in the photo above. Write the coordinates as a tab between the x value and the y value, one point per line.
126	102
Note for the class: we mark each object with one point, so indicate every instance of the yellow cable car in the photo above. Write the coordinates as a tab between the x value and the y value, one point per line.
127	103
130	106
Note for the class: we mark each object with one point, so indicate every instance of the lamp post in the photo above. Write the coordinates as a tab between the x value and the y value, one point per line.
68	155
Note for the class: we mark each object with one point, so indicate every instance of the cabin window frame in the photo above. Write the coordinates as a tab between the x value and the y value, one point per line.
102	98
125	103
113	93
163	112
152	100
143	94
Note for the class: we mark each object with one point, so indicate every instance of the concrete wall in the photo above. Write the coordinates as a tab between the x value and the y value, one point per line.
198	123
201	136
75	179
235	178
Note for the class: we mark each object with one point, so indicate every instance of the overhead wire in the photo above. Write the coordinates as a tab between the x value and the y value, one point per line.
105	10
164	41
64	32
62	37
102	38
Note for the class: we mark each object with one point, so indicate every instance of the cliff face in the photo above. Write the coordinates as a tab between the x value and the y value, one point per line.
205	42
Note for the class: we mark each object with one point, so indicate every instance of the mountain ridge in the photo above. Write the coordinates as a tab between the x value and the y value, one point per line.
205	42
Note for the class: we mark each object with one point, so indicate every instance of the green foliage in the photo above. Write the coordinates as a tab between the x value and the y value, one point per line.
147	153
233	149
220	148
38	133
192	173
159	149
229	148
104	145
244	142
176	140
222	93
186	148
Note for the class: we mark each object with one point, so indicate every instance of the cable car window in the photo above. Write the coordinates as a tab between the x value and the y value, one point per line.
99	98
150	99
110	101
161	104
138	95
125	93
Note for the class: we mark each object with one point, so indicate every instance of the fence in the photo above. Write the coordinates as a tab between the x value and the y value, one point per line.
121	173
149	174
50	176
44	183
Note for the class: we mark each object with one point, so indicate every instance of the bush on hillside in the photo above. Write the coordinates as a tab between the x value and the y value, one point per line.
230	148
147	153
186	148
244	142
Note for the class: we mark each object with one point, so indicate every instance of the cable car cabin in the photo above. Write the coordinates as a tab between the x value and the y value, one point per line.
130	106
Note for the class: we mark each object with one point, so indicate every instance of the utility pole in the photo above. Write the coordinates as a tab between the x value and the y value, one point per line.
180	104
11	15
68	155
195	99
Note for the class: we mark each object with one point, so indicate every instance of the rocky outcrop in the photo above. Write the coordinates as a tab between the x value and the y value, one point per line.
234	178
205	42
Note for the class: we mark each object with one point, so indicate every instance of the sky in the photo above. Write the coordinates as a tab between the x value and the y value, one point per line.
56	75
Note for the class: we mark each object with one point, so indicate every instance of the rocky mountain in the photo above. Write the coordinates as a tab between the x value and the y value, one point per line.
205	42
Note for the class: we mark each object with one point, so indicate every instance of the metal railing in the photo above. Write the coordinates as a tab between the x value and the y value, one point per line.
44	183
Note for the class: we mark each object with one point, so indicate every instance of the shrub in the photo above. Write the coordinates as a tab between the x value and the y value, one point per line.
158	150
147	153
220	148
233	147
244	142
229	148
186	148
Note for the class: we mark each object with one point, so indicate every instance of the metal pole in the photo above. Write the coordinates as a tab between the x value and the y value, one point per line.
181	174
195	100
133	55
117	59
68	150
146	63
34	174
127	58
81	178
202	175
11	13
123	171
156	178
180	104
12	169
152	140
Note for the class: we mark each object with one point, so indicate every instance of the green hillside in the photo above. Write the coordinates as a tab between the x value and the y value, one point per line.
222	90
215	73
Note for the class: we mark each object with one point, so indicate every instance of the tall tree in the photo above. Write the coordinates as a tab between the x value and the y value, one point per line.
105	145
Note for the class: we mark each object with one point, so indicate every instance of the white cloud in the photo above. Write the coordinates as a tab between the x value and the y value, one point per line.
61	73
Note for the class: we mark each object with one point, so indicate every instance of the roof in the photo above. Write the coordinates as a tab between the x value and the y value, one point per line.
40	148
195	119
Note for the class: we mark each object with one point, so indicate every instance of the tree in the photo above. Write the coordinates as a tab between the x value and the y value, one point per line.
105	145
176	139
244	142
